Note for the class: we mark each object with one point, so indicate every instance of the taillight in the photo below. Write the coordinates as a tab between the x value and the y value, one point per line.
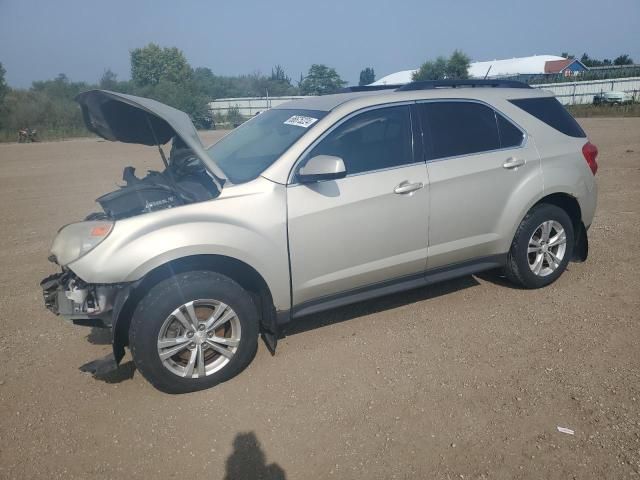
590	152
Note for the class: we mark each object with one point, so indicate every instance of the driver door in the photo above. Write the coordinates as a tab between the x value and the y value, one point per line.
370	226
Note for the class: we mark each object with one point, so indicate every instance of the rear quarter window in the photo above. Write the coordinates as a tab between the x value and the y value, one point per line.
550	111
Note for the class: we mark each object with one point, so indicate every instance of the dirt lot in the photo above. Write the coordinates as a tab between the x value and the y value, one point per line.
467	379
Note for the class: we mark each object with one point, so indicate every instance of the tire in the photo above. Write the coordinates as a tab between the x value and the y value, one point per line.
522	264
162	321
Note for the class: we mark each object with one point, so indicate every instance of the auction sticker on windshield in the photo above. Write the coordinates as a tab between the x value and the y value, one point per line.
301	121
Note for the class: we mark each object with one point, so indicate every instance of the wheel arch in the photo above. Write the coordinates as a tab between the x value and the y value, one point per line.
242	273
571	206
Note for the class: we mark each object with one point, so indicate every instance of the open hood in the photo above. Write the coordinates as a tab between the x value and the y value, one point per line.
130	119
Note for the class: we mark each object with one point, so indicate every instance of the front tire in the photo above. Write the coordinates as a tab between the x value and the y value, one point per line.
193	331
541	248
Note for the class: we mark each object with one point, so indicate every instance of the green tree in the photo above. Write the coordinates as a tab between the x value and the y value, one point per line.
4	88
151	64
279	83
321	80
456	67
431	70
567	55
108	80
367	76
623	60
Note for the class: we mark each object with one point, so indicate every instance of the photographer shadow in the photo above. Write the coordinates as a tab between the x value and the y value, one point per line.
249	461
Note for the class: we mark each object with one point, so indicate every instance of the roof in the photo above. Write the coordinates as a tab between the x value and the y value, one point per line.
325	102
557	66
362	99
512	66
492	68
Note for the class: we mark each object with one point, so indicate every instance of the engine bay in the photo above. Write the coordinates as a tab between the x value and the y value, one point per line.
183	181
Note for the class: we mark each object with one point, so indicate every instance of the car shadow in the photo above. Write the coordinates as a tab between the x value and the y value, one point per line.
125	371
249	461
377	305
99	336
106	370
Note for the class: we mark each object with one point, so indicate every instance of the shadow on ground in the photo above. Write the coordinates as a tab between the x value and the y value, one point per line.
388	302
99	336
249	461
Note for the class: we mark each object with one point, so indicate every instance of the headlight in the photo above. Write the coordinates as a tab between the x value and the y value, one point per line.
77	239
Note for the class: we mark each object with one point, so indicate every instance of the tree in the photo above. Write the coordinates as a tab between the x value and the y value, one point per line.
431	70
587	61
321	80
278	75
456	67
279	83
567	55
109	80
367	76
151	64
623	60
4	88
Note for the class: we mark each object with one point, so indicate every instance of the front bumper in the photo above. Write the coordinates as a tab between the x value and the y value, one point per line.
66	295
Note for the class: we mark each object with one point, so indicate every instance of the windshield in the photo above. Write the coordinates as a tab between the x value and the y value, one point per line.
248	150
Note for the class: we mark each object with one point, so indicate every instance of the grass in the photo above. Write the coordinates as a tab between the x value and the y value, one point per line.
585	111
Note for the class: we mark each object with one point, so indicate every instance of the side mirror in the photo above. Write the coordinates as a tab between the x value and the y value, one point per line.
322	167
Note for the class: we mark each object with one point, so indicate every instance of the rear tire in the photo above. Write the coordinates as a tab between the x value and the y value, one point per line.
193	331
541	247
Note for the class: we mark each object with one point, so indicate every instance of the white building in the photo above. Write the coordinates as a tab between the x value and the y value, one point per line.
535	65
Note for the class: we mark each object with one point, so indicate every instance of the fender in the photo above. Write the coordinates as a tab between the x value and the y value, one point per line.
248	224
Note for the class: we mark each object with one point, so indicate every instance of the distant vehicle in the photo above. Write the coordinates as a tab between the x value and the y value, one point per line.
27	135
613	98
315	204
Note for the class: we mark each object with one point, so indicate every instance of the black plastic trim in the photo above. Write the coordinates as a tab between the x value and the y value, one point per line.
398	285
369	88
431	84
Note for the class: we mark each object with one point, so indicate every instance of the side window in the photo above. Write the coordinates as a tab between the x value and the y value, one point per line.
372	140
550	111
510	135
458	128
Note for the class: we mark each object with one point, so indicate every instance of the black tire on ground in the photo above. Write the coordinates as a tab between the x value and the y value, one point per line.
162	299
517	268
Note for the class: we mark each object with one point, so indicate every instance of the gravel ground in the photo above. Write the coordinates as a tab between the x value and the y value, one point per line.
466	379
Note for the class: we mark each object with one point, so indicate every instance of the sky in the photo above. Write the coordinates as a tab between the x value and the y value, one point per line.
41	38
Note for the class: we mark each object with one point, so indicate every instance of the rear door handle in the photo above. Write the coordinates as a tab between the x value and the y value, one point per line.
513	162
406	187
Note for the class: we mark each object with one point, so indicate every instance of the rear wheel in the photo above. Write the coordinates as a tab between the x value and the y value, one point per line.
193	331
541	248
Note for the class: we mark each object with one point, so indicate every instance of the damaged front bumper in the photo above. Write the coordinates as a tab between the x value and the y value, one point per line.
83	304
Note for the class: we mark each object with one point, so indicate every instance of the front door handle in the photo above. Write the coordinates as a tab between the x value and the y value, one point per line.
406	187
513	162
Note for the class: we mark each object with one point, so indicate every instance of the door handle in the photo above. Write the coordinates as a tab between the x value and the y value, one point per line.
406	187
513	162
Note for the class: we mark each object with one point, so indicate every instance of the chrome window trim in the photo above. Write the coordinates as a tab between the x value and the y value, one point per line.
296	164
525	135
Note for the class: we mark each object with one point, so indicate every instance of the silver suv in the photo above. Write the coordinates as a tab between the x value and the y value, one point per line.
314	204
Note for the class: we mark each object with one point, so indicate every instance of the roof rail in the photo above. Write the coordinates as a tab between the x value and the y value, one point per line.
369	88
431	84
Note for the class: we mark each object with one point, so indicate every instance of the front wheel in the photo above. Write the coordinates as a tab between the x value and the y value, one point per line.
541	248
193	331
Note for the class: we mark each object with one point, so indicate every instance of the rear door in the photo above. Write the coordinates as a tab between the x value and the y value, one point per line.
370	226
481	166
